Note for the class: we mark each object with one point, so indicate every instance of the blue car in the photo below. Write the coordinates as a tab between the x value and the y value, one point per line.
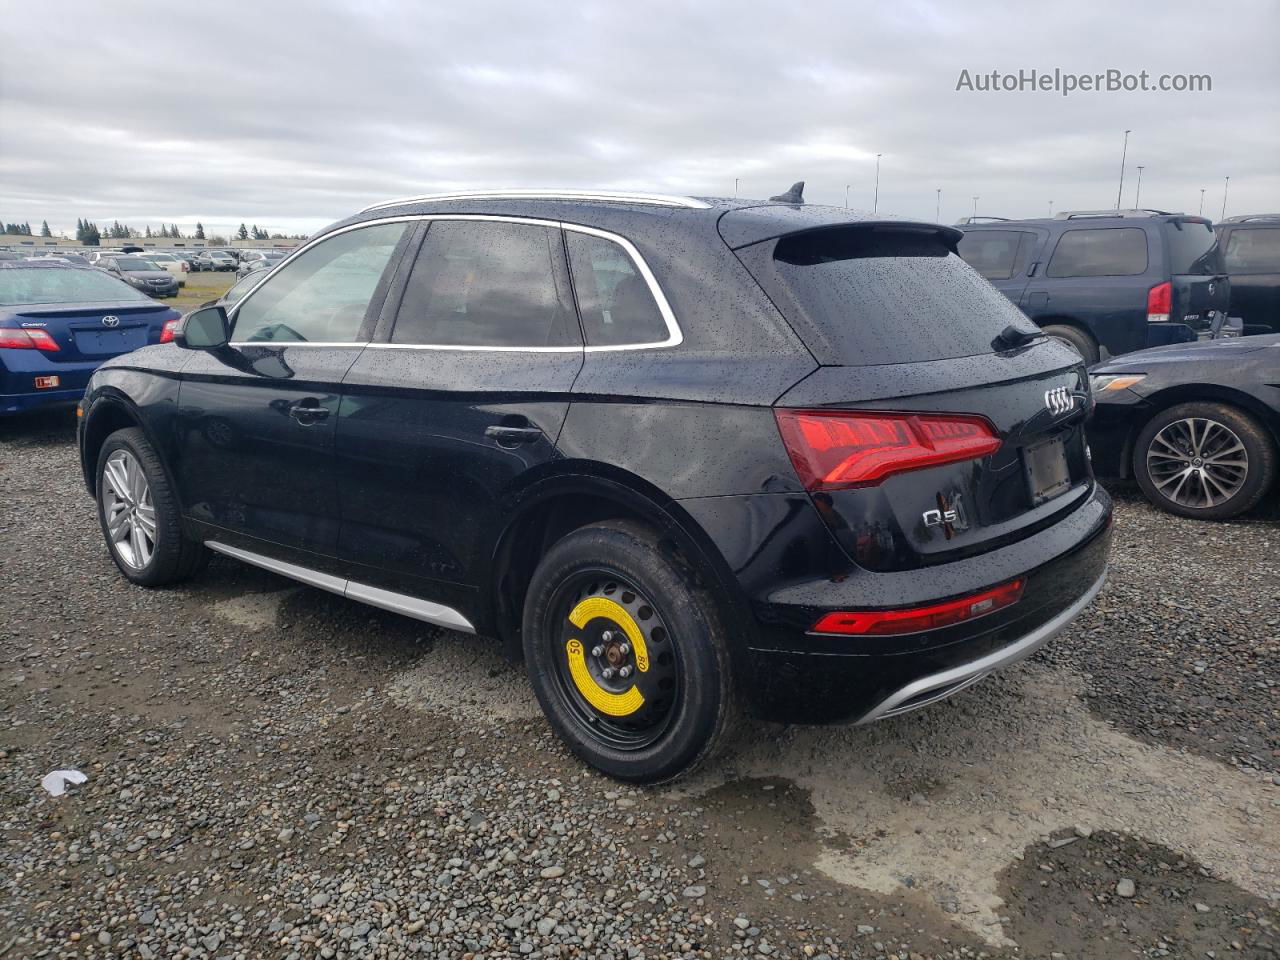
59	322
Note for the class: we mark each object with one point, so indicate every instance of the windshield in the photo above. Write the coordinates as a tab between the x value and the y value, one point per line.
881	295
135	263
1193	248
45	285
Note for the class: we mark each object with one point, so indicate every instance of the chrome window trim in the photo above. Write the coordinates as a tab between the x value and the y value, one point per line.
604	196
675	336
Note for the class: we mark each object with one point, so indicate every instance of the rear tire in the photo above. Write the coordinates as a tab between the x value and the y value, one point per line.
1076	339
607	582
1209	461
139	514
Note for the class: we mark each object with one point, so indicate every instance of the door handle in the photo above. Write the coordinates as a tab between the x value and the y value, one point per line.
308	411
512	436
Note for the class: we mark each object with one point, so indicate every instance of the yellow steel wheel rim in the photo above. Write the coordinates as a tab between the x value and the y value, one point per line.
611	704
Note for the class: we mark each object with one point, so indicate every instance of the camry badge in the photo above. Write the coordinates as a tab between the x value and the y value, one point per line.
110	321
1059	400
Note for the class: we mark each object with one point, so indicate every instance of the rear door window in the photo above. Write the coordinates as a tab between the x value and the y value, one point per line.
480	283
1193	248
993	253
873	295
1253	250
1105	252
614	300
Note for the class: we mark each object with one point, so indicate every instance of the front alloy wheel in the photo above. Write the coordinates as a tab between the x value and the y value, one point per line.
128	512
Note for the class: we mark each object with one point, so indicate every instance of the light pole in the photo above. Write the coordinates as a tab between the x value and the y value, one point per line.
735	186
846	196
875	204
975	207
1123	153
1050	209
937	211
1137	196
1226	182
1202	201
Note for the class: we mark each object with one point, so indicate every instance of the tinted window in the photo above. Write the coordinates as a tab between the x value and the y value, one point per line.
993	253
482	283
134	263
1193	248
875	295
321	295
1115	252
52	285
1254	250
615	302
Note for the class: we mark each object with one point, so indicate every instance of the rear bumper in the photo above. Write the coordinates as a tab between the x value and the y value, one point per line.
18	403
19	370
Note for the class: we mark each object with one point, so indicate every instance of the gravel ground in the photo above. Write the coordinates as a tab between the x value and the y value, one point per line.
277	772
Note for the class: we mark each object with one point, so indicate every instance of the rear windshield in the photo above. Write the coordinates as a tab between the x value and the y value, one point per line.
135	263
860	295
1193	248
45	285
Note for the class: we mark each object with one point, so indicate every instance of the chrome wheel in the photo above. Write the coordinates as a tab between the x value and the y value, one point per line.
127	510
1198	463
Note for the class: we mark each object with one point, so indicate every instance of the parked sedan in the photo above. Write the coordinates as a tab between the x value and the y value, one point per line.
141	274
679	454
1197	425
171	264
258	261
59	322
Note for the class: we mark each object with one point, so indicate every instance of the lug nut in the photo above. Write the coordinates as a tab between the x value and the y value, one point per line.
624	647
607	673
624	672
597	651
607	636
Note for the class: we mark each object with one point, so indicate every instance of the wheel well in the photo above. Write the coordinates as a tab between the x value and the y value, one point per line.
1196	393
533	532
106	420
1066	322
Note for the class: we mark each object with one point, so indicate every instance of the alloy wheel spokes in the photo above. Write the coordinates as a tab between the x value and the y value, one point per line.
127	510
1197	462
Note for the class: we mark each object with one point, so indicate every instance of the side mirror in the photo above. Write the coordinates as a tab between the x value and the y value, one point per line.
205	329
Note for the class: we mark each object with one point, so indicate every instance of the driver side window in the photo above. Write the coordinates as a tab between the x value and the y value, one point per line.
321	295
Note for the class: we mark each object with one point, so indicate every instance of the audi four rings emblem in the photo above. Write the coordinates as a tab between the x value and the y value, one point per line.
110	321
1059	400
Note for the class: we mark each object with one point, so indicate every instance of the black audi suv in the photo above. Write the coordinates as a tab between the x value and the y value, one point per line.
682	456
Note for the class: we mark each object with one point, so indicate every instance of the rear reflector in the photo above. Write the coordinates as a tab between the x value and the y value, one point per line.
834	450
166	332
1159	302
18	339
880	623
46	383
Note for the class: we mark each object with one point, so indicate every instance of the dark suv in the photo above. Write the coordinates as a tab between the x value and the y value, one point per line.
1106	282
680	455
1251	249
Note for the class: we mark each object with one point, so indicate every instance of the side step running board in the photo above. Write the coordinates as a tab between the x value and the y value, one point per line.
401	603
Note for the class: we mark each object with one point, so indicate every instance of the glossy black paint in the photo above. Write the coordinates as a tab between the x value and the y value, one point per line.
1255	286
1244	372
442	473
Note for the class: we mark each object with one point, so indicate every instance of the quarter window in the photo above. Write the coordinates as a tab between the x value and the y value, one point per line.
614	301
993	253
1253	250
485	284
1116	252
322	295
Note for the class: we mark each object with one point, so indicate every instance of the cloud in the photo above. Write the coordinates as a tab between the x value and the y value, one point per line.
291	114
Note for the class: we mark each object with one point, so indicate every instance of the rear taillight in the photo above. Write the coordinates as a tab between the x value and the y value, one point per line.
28	340
186	267
833	450
1159	302
166	332
880	623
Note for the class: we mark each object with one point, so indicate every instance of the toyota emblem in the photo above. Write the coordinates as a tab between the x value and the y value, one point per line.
110	321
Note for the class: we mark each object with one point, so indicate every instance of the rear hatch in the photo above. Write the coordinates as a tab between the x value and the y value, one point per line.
928	433
1199	288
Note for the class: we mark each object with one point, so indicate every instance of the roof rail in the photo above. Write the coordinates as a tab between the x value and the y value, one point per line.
603	196
983	219
1131	213
1247	217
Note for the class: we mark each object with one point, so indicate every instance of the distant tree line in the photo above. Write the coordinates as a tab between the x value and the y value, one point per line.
91	234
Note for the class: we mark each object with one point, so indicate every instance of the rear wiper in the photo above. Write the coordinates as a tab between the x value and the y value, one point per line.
1011	337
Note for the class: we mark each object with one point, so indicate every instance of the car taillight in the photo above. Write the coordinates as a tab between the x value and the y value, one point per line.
186	267
28	340
834	450
166	332
1159	302
880	623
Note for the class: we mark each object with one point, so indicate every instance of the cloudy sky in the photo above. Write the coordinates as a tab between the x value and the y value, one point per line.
293	113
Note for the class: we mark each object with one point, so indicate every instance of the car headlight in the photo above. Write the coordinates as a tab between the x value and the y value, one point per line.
1108	382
